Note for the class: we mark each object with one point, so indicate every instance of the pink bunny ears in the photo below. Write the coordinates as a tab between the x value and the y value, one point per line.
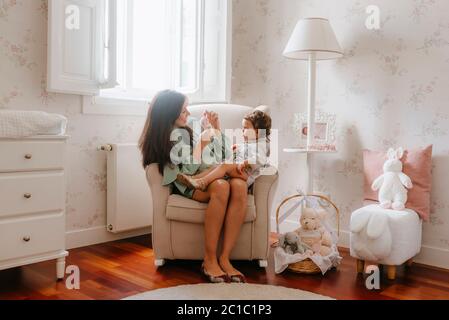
395	154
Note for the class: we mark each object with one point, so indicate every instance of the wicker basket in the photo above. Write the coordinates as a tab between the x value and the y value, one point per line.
307	266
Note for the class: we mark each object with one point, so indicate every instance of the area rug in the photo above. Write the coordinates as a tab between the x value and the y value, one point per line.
228	291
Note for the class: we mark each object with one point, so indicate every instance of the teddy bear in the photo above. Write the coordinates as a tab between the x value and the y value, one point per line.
313	233
292	244
393	182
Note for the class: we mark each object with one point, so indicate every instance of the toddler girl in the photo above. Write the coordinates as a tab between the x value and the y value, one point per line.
249	157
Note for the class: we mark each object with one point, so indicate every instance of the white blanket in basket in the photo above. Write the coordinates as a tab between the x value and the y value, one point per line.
282	259
19	124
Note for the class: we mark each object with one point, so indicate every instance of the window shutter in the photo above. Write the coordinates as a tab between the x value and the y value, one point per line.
108	66
78	51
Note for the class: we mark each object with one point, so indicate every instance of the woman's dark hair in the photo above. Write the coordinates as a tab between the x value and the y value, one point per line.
154	142
260	121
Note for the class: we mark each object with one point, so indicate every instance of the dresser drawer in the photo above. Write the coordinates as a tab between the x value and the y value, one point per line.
29	155
25	237
25	193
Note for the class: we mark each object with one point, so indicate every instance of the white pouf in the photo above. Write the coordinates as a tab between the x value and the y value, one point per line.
388	237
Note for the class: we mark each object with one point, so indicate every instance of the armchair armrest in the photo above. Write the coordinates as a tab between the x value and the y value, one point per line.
265	182
264	190
160	227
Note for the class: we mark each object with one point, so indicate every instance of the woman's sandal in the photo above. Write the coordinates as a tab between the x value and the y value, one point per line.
192	183
238	278
215	279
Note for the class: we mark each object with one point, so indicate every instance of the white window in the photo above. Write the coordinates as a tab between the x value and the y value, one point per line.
127	50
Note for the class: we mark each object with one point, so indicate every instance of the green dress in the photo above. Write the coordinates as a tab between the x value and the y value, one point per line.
187	166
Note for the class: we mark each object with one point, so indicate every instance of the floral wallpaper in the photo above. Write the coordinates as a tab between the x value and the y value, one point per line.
389	90
23	56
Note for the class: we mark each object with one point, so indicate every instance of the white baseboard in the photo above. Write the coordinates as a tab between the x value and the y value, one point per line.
431	256
343	239
97	235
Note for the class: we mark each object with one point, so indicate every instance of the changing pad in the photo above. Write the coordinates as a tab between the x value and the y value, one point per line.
19	124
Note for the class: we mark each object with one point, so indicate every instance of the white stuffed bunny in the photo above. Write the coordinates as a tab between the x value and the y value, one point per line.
393	182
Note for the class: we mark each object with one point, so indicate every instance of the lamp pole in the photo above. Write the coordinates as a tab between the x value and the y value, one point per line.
311	100
311	119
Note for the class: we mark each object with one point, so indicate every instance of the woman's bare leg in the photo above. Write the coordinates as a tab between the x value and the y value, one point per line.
235	216
217	196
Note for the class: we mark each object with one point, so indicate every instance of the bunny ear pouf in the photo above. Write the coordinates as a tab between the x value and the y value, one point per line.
387	234
393	182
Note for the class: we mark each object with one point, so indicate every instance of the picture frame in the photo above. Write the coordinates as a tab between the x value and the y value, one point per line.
325	130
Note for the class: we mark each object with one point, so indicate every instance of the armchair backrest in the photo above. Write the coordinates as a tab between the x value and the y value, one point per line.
231	115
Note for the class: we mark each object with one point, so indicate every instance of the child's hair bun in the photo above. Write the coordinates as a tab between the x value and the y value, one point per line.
260	121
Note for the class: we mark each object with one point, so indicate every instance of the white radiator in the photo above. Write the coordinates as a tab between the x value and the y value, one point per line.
129	202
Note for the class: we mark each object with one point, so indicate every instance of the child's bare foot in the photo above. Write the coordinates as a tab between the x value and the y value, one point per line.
197	184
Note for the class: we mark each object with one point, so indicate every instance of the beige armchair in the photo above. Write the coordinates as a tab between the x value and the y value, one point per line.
178	222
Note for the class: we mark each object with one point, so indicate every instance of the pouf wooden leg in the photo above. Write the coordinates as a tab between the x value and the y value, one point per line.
360	266
391	272
409	262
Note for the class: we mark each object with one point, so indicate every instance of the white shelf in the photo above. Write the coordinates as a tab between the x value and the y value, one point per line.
304	150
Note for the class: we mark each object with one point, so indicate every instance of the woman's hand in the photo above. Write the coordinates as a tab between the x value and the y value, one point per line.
213	119
206	135
242	167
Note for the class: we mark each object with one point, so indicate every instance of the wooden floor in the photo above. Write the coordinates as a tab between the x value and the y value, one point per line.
119	269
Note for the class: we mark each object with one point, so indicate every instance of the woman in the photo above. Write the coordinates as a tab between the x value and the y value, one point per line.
226	200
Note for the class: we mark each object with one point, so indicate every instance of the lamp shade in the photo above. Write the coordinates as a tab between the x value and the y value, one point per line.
313	35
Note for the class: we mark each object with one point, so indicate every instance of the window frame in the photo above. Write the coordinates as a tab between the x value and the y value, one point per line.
117	104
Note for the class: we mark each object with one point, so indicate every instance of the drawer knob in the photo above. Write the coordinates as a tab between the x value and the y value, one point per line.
27	239
27	195
28	156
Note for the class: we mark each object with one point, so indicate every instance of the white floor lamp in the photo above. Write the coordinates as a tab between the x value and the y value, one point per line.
313	39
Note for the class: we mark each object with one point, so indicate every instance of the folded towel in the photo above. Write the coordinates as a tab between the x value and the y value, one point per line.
19	124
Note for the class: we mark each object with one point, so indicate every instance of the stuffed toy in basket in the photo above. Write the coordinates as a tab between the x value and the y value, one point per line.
312	248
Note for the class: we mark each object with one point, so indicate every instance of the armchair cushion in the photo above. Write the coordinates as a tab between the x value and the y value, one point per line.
182	209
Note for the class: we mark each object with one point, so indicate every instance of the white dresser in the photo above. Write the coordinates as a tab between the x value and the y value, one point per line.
32	201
